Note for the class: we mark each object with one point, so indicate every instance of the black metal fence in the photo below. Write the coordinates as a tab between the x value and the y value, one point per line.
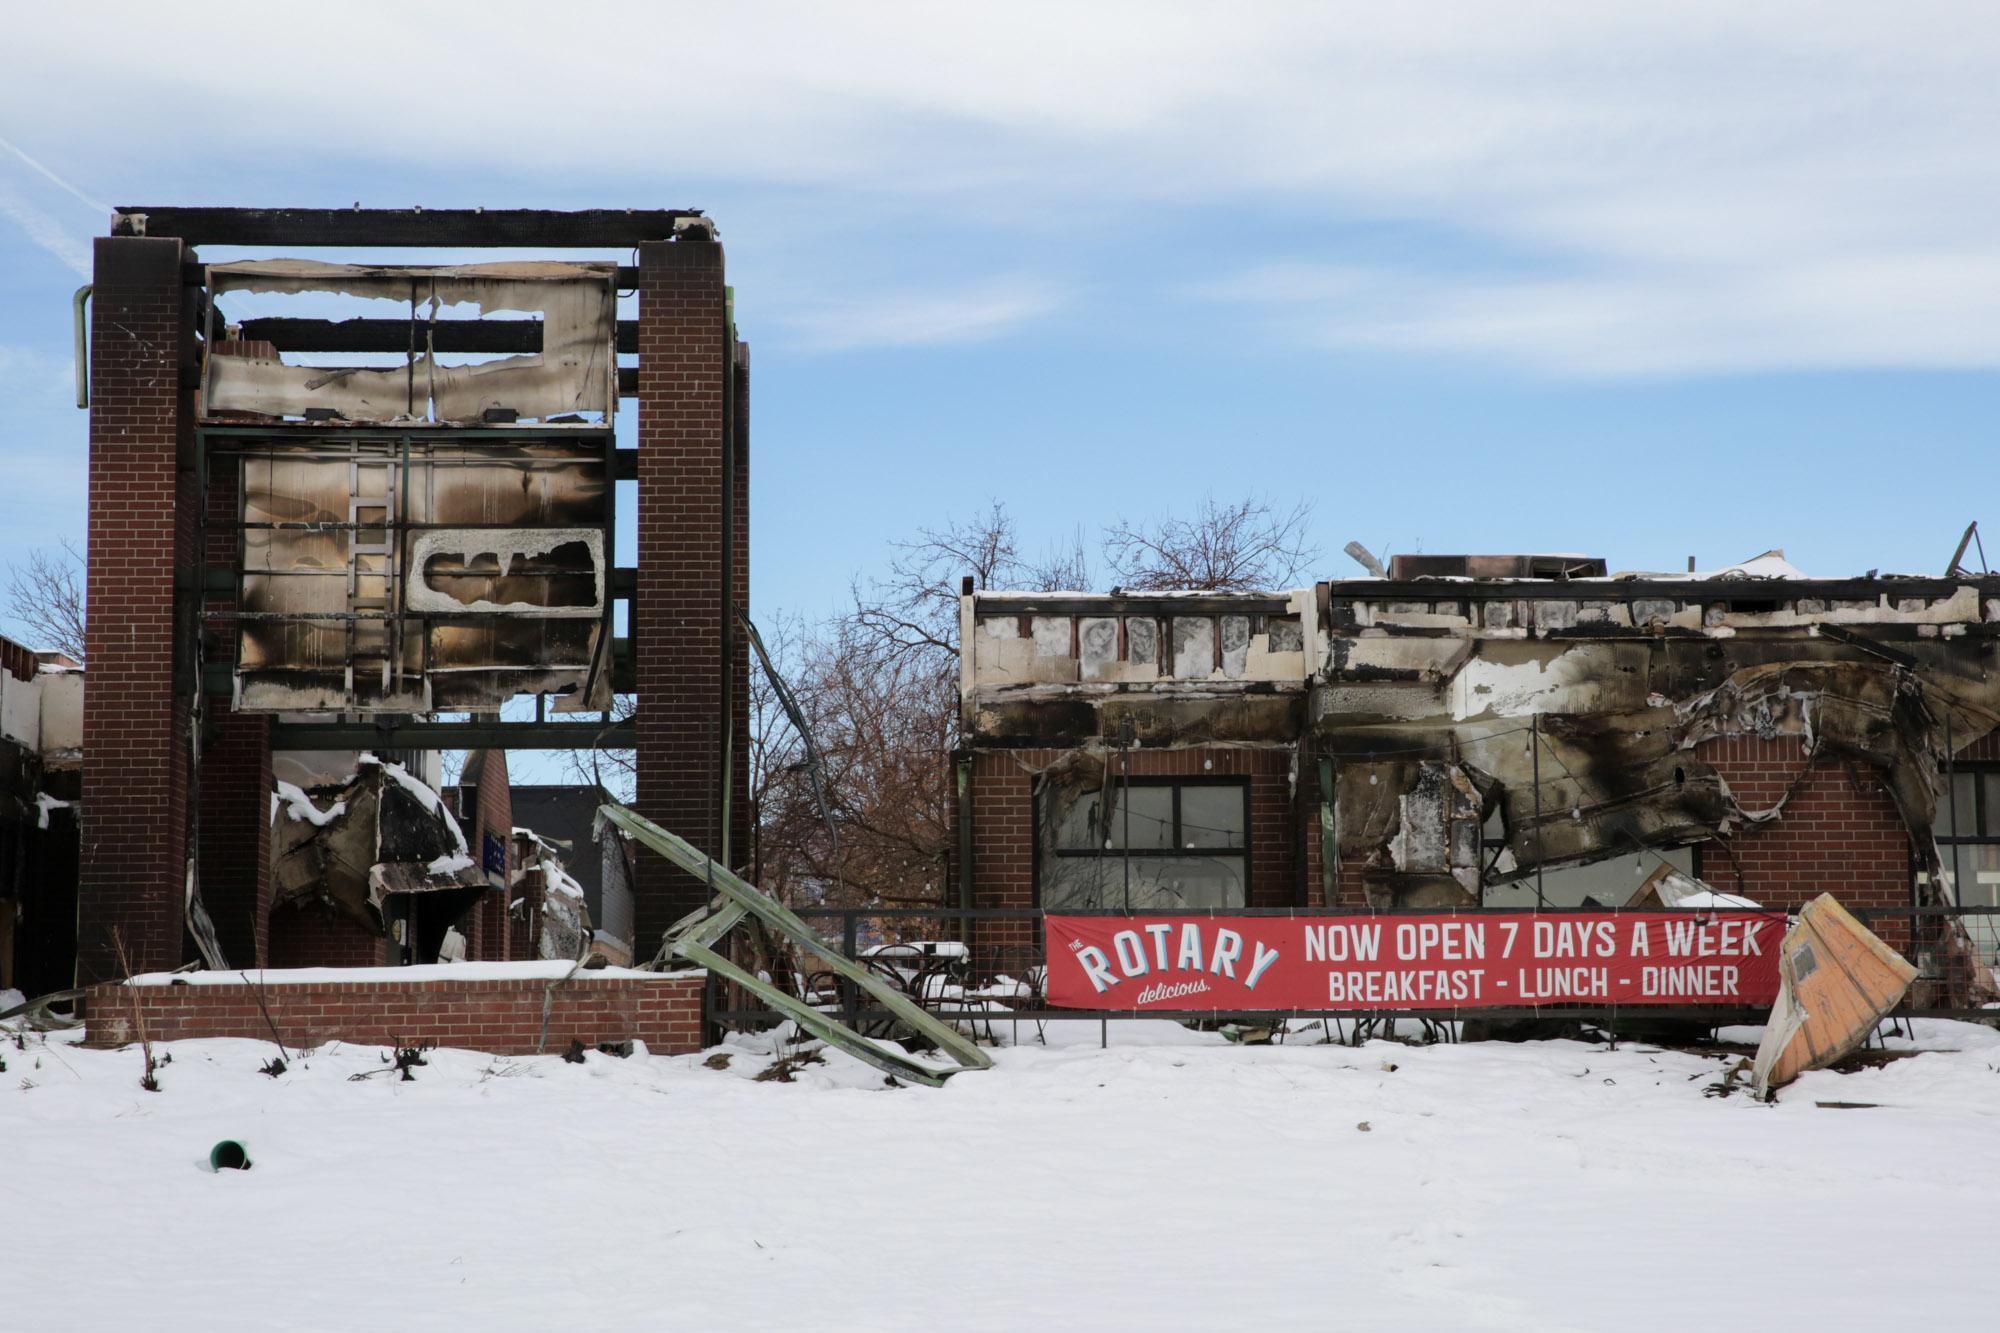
981	966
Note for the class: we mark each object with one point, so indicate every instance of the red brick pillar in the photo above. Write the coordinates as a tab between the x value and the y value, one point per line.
491	937
234	855
684	372
141	533
233	826
1003	858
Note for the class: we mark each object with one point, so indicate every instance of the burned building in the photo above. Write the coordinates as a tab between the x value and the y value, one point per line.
1469	732
41	772
343	514
600	861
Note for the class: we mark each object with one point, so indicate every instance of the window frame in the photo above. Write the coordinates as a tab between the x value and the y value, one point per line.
1240	782
1980	817
1983	930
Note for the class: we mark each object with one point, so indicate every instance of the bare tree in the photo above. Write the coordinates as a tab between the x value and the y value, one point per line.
45	595
879	689
912	610
616	771
1063	567
774	744
880	686
1223	548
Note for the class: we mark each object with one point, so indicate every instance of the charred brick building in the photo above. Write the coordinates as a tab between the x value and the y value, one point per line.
341	508
1473	732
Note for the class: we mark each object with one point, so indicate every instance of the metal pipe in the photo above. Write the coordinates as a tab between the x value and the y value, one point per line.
77	304
1127	733
1329	832
1535	743
1957	830
964	838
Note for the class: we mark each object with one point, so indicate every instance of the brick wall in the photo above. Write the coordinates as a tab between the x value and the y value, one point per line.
484	804
141	535
1838	833
1003	857
233	821
234	854
493	815
311	934
685	367
501	1016
1003	833
1985	750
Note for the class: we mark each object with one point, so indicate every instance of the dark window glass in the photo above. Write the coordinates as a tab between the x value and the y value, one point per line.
1187	848
1969	847
1212	817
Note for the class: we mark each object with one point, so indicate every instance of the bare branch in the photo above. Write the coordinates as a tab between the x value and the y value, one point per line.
46	595
1224	548
1063	567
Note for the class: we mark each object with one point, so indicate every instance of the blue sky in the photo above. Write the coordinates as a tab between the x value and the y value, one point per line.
1644	284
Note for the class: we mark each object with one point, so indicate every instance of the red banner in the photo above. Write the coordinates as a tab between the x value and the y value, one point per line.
1443	961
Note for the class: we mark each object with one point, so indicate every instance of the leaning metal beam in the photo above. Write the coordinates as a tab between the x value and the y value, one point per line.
453	227
693	942
815	1023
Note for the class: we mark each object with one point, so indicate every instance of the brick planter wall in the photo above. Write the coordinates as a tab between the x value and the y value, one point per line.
503	1017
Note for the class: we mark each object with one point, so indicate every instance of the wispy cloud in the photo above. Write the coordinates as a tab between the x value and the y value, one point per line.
42	450
1704	185
65	243
31	378
916	319
1937	311
51	176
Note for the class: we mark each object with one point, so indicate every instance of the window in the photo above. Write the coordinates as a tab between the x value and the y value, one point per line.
1176	844
1969	847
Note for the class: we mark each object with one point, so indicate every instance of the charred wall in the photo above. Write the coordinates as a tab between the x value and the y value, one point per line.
1473	731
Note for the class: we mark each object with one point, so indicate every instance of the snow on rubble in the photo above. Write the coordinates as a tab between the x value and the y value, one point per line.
1170	1181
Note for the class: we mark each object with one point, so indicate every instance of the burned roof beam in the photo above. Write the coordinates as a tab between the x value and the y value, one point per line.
1612	590
584	734
523	227
623	582
219	678
1133	604
1867	645
195	274
393	335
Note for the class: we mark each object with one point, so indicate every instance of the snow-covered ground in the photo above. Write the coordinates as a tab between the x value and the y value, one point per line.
1172	1181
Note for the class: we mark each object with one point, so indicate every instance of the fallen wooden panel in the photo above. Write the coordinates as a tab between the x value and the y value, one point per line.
1836	981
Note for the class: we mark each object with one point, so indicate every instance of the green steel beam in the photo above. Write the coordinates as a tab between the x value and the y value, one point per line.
693	941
